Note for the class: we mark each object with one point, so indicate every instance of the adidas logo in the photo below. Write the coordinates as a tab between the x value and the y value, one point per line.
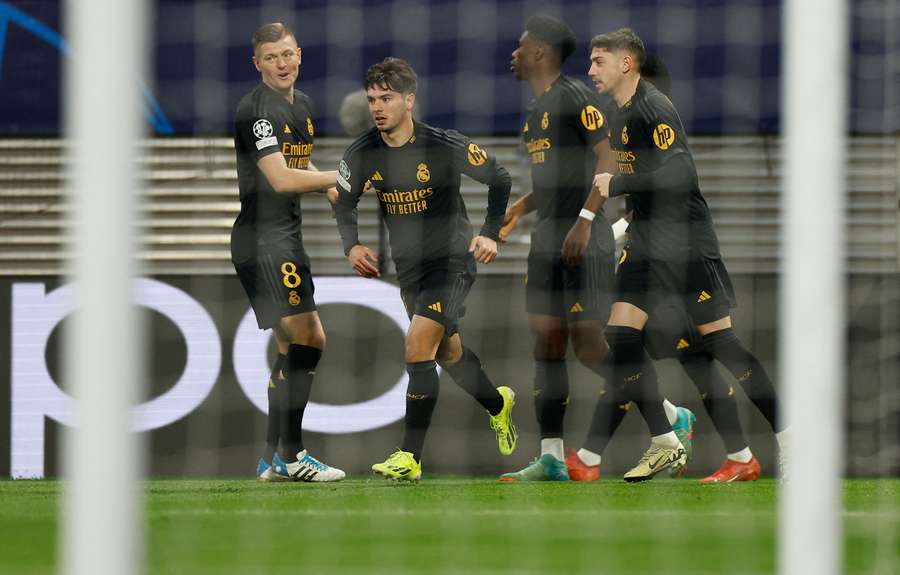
576	308
376	177
287	129
305	474
682	343
271	384
436	306
703	297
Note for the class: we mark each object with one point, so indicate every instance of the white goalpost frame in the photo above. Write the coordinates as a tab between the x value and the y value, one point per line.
812	296
100	521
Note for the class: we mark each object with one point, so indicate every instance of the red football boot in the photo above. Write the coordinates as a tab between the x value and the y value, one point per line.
733	471
578	471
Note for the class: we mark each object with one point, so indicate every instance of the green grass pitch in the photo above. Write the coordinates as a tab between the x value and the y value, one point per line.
456	526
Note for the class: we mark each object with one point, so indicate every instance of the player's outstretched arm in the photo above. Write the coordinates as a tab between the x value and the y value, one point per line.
285	180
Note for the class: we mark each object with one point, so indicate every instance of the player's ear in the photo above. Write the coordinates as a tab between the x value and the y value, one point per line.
410	101
627	63
299	55
256	64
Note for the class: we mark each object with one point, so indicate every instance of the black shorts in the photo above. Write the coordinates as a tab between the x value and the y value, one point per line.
670	332
703	285
278	285
582	292
439	295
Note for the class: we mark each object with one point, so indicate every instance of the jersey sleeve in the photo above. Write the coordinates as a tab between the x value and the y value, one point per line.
585	111
258	135
663	128
472	160
350	185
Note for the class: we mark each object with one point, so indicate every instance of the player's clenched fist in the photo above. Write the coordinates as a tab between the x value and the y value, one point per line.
484	249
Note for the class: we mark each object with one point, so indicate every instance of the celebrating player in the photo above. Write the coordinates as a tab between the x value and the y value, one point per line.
414	170
672	248
570	265
273	140
670	333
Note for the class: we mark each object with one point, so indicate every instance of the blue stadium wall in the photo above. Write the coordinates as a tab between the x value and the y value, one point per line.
724	56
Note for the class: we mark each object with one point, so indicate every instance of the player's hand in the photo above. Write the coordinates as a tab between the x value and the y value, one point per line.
484	249
363	261
332	195
576	241
601	183
367	186
510	221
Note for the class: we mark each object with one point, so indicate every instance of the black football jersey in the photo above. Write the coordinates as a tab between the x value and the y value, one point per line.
417	187
266	123
560	131
645	133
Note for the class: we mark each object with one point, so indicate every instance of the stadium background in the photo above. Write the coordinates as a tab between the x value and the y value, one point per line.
724	59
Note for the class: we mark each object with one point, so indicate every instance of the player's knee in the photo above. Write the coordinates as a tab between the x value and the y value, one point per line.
591	352
448	356
550	346
418	351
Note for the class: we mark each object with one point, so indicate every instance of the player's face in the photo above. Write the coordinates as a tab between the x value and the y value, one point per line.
279	63
523	57
605	71
389	108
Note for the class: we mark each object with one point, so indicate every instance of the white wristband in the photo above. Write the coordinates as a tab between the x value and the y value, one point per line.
587	214
619	228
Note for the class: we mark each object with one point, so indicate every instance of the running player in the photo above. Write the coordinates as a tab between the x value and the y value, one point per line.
414	170
273	141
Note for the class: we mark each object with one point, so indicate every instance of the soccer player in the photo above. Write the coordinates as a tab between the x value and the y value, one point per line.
672	248
273	141
670	333
414	171
570	264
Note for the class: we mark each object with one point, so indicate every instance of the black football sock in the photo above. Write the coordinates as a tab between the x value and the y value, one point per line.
421	397
634	373
725	346
273	424
469	375
718	399
551	396
300	367
612	407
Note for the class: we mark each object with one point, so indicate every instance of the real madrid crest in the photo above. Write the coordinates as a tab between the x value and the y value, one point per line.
422	173
294	298
624	134
309	126
545	121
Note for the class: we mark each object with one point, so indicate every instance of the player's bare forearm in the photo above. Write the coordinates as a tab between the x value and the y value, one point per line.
523	206
606	161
